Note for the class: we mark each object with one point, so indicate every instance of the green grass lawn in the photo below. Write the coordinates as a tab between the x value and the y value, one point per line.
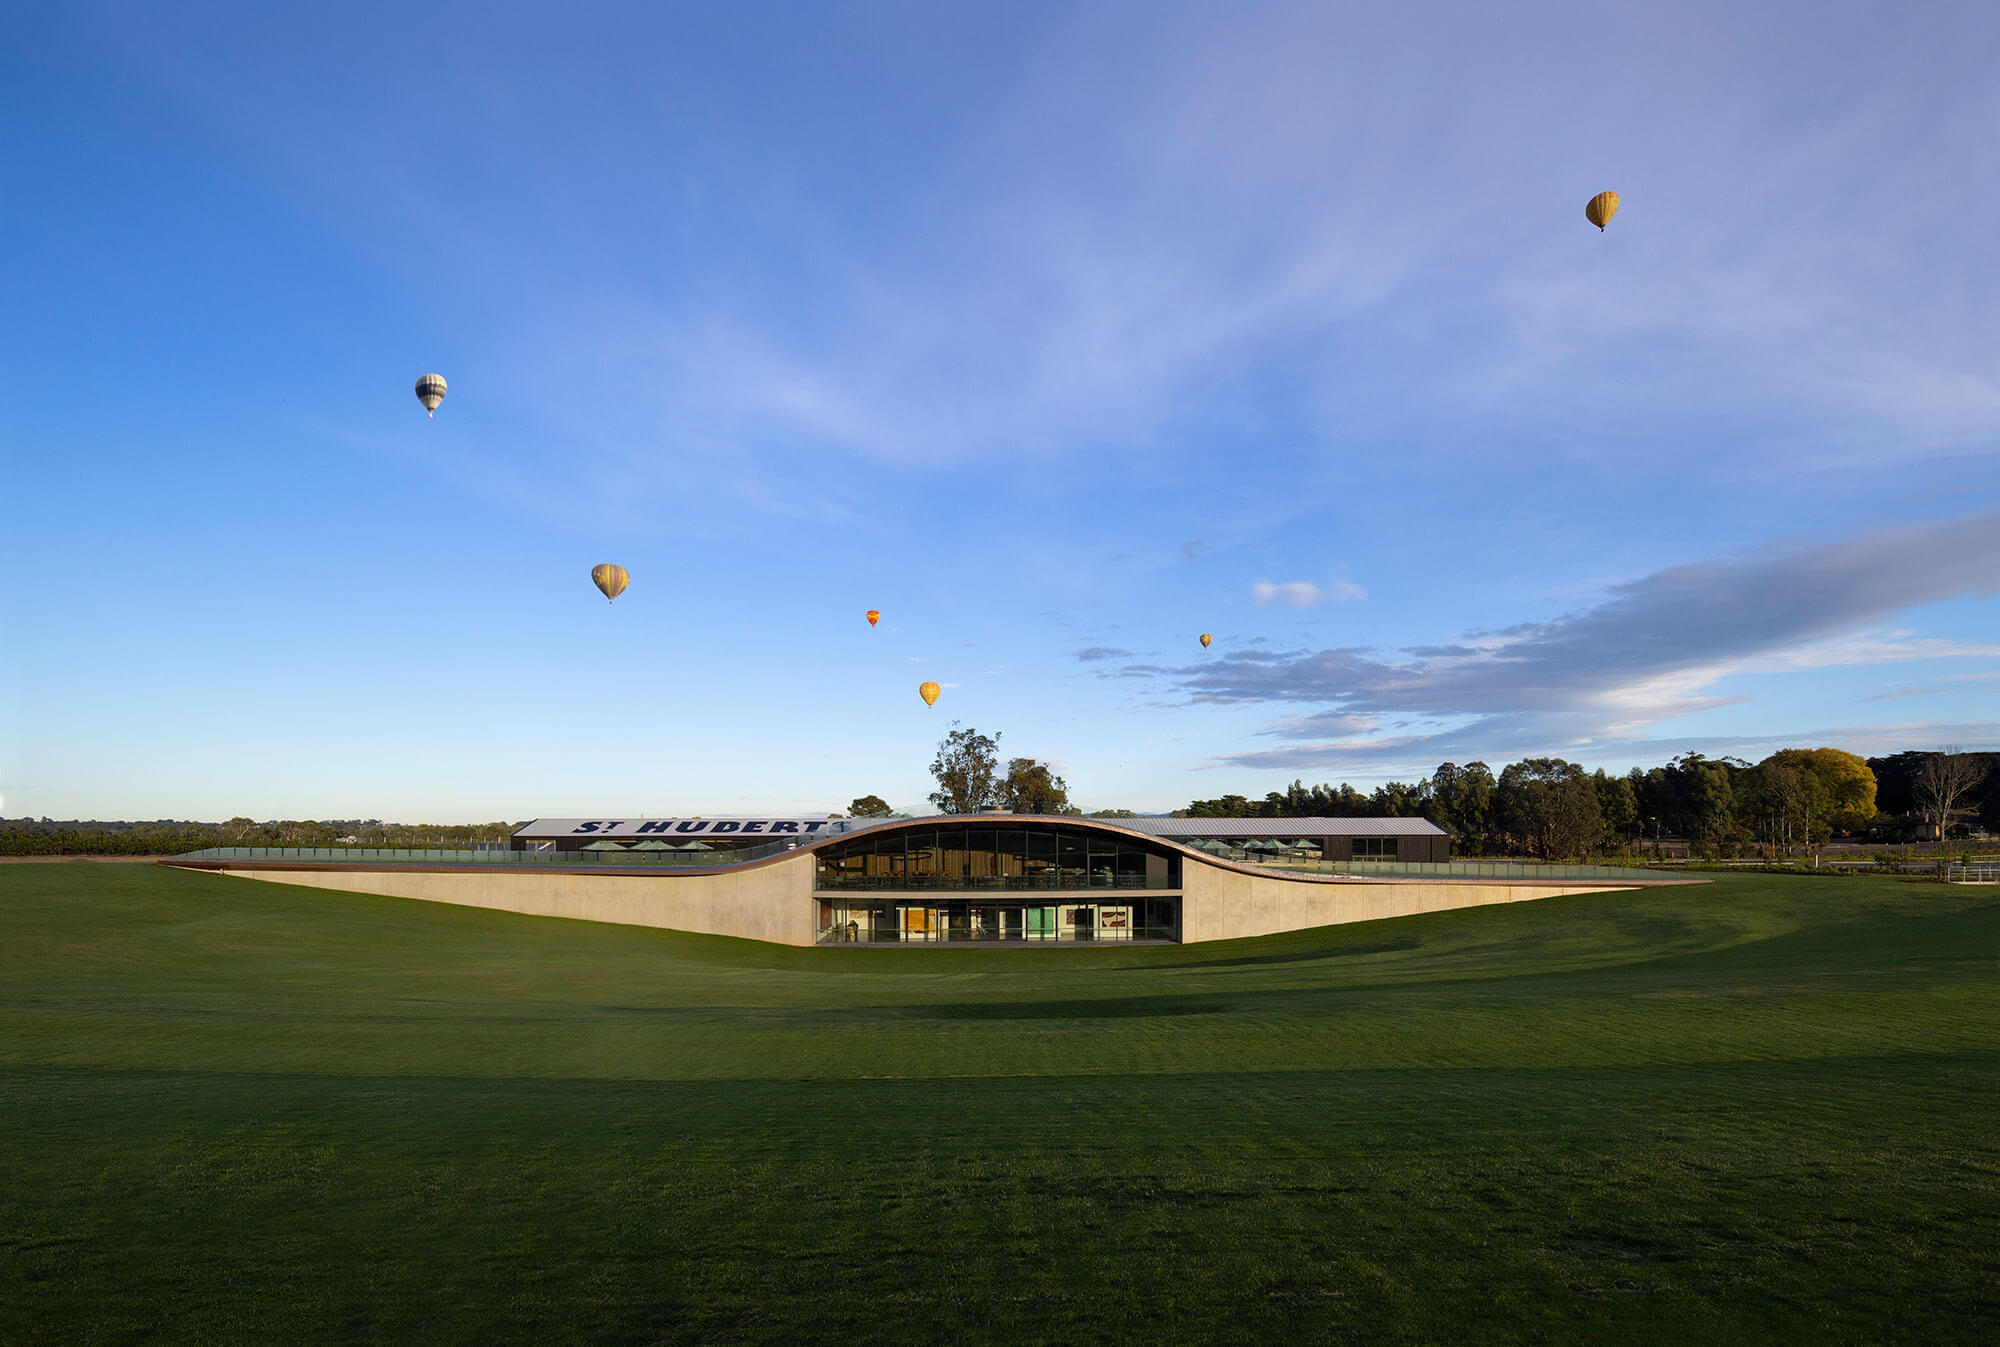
1763	1108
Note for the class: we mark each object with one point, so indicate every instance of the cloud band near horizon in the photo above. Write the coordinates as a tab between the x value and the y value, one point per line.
1656	647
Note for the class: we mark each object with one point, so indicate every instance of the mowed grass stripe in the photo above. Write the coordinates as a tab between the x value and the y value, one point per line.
1762	1108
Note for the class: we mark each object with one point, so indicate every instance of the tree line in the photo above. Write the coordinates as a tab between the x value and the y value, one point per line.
168	837
1794	800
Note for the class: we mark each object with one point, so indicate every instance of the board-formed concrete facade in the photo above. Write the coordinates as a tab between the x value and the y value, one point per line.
802	896
766	902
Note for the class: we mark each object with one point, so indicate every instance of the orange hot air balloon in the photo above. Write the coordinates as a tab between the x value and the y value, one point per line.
873	617
609	578
929	692
1601	208
1206	640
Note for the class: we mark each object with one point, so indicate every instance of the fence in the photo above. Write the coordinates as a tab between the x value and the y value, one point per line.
1070	880
566	860
1531	870
668	860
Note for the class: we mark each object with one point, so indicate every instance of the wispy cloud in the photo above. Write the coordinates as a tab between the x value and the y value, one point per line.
1291	593
1304	593
1097	652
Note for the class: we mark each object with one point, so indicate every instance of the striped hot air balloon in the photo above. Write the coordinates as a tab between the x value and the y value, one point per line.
929	692
874	616
609	578
1601	208
430	392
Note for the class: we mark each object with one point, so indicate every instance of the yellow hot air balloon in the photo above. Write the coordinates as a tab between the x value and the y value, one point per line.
1206	640
430	392
609	578
929	692
873	617
1601	208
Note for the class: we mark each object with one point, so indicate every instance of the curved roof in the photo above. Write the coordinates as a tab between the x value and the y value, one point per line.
782	849
1114	827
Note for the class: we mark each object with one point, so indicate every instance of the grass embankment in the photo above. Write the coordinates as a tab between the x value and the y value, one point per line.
1764	1107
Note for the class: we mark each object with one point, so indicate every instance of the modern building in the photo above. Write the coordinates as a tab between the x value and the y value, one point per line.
992	877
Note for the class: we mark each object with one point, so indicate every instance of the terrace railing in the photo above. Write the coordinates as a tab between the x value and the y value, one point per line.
1491	870
499	860
682	860
992	883
1517	870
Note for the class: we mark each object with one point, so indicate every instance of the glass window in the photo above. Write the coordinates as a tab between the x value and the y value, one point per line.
1013	850
1072	856
925	862
981	862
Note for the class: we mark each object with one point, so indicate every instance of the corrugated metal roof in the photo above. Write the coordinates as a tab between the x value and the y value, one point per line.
1280	827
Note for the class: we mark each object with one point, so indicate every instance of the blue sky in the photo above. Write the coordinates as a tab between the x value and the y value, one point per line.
1060	334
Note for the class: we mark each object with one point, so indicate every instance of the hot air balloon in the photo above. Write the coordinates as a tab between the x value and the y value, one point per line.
609	578
430	392
1601	208
1206	640
929	692
873	617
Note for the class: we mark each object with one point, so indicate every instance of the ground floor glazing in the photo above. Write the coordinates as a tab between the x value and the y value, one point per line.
927	919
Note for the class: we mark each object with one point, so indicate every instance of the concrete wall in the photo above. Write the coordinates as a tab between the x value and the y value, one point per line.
764	902
1219	904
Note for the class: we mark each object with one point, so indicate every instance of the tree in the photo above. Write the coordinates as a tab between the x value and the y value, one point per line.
1785	801
1397	800
1551	807
1849	784
1618	805
1032	788
1838	796
1112	813
868	806
1704	798
1943	782
964	769
1462	804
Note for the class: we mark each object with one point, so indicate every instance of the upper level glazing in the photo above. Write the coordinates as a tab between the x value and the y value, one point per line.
980	854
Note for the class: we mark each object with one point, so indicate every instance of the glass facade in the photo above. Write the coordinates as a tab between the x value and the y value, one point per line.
957	856
1279	851
931	920
978	881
